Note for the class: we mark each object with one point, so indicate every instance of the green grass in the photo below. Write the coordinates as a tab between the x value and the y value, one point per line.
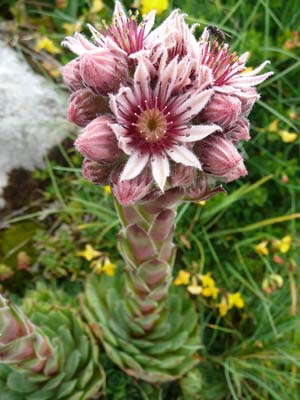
252	353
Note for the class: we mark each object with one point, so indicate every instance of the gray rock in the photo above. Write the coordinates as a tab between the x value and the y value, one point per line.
32	115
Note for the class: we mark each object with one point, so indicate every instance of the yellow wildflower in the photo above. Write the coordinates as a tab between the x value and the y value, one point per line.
89	253
159	5
207	280
210	292
223	307
287	137
202	203
284	244
44	43
70	29
235	300
194	288
97	6
108	267
273	127
97	266
183	278
105	266
262	248
107	189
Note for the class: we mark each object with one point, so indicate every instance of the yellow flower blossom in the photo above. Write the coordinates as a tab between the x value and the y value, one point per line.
207	280
273	127
44	43
105	266
194	288
97	265
159	5
70	29
223	307
284	244
287	137
232	300
235	300
210	292
88	253
107	189
262	248
108	267
183	278
97	6
202	203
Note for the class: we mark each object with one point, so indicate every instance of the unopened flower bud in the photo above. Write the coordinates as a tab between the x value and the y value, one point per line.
247	97
202	188
95	172
220	158
71	75
182	175
103	70
222	110
129	191
84	106
239	131
98	142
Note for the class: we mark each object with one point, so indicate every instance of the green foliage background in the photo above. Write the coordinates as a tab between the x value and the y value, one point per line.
252	353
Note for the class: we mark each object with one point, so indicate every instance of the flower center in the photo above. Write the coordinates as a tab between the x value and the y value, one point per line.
152	125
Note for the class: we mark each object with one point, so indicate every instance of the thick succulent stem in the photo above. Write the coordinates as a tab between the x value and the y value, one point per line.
146	328
146	244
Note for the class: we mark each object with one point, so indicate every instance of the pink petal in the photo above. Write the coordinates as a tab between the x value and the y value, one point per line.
184	156
134	166
119	14
198	132
149	21
141	80
257	70
245	81
194	104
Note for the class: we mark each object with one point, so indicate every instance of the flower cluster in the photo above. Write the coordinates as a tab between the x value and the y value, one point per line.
159	109
98	262
205	285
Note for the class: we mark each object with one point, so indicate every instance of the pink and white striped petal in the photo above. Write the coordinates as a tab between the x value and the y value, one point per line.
194	104
244	81
181	154
198	132
134	166
160	170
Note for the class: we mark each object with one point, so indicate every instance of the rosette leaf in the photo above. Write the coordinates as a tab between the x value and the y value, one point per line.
165	351
52	355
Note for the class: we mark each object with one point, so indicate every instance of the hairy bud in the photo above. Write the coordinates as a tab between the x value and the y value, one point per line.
84	106
98	142
220	158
